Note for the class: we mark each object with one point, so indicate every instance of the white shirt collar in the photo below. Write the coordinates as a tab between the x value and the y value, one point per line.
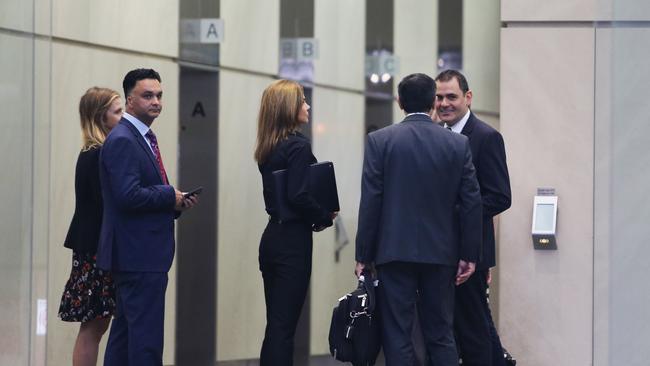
140	126
426	114
458	126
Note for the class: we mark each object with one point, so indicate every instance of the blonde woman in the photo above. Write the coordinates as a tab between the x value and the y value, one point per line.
285	252
89	294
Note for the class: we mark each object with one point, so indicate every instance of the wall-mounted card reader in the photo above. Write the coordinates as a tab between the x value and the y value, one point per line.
545	219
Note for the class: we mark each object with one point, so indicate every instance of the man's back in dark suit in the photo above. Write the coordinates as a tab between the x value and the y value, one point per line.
415	174
477	338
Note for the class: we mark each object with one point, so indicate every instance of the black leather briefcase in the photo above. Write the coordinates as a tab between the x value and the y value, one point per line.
354	331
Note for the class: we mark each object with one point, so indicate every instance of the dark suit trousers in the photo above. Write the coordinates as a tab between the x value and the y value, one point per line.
285	262
399	286
136	337
477	338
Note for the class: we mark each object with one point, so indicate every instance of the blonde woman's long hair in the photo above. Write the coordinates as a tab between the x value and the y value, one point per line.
92	111
278	116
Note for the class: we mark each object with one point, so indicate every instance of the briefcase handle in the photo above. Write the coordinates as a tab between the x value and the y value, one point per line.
369	284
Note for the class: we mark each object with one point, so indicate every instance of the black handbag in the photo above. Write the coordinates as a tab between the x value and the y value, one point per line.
354	330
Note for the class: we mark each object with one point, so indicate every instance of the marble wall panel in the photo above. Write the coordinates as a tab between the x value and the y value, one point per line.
252	31
338	136
240	295
17	15
415	40
552	10
547	114
340	31
139	26
621	203
629	10
16	98
481	32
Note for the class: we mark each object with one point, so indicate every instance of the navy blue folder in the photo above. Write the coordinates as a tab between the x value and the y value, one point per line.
322	187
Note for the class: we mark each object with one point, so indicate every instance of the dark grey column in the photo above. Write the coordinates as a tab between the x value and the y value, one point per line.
196	253
379	37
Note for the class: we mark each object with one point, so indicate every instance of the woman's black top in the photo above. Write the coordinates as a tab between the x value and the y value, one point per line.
294	154
83	234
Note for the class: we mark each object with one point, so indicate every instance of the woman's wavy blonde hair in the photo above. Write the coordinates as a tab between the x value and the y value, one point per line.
92	110
278	116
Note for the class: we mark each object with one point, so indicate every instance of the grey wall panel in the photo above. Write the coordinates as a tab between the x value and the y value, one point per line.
16	93
622	205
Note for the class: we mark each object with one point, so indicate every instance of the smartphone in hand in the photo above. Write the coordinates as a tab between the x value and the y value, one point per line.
194	192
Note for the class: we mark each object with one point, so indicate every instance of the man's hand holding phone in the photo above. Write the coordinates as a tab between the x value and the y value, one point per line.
187	200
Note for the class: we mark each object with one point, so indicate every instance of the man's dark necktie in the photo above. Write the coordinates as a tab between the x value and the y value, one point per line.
156	151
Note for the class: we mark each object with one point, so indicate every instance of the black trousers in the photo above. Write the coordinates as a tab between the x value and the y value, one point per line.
477	338
285	262
400	286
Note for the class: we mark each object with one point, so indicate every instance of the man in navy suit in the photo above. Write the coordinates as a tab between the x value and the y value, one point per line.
419	224
137	237
477	338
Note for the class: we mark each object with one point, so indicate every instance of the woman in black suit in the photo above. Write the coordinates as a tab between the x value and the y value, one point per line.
286	246
89	294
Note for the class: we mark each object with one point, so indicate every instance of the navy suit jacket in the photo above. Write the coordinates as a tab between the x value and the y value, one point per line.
489	157
137	232
416	174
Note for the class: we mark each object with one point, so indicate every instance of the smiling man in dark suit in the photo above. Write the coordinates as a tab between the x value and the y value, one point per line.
415	176
137	236
477	338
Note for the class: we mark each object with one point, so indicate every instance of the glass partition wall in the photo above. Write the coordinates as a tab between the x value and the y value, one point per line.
23	224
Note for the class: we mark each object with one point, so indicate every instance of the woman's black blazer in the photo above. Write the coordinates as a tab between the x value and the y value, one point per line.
83	234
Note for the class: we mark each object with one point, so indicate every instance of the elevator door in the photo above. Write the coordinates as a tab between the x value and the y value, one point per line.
197	228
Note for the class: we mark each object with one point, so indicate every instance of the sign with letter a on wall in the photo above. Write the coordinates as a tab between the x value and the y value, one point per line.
206	30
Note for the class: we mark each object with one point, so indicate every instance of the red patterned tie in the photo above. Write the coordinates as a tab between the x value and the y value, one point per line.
156	151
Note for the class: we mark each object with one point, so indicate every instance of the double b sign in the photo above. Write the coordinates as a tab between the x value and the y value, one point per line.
299	49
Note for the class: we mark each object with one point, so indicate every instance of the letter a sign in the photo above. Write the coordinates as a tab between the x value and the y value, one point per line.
211	30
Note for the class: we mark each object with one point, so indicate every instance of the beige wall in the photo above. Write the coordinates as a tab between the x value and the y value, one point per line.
251	32
341	37
481	27
337	135
15	96
240	296
141	26
415	41
251	46
17	15
545	296
552	10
